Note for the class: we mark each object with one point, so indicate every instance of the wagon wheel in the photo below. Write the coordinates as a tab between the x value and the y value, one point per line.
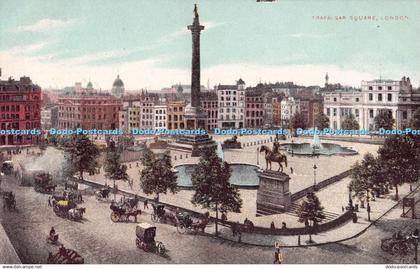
155	218
181	228
160	248
115	217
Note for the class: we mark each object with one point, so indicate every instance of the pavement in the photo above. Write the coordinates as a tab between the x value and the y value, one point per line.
7	251
99	240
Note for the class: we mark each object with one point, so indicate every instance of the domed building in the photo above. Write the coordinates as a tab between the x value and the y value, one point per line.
118	87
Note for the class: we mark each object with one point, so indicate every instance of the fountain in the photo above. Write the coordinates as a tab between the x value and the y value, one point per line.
317	148
219	151
316	142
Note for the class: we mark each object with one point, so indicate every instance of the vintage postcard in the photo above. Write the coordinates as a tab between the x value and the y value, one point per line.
209	132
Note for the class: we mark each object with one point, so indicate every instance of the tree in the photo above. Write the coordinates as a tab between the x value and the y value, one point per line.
415	120
322	121
400	159
311	210
384	120
350	123
113	168
157	175
366	177
80	155
213	191
297	121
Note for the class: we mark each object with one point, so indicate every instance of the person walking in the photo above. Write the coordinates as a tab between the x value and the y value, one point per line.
278	256
146	204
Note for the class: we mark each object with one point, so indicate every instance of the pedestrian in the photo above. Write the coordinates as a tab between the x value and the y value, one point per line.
278	257
291	170
224	217
146	204
272	226
49	201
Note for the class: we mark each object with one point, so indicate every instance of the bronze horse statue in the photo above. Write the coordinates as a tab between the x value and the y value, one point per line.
271	156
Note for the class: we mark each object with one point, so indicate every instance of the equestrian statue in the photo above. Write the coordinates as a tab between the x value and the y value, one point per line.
274	156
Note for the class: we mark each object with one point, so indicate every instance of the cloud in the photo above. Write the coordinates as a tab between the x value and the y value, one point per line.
44	25
28	49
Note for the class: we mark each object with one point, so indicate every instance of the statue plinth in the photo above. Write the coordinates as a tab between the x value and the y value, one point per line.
273	195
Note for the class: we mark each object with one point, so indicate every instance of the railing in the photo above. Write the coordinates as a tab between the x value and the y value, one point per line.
297	195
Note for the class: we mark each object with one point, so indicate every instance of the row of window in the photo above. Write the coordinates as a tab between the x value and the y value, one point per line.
380	97
380	88
233	117
228	110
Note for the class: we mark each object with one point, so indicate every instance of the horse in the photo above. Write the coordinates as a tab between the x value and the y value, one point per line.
76	213
271	156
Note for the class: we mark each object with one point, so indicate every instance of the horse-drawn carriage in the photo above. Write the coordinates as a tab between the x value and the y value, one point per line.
186	223
399	244
145	239
68	209
9	201
43	183
65	256
103	194
123	211
163	216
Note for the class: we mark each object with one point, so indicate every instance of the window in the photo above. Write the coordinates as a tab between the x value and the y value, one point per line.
404	115
380	97
370	88
371	113
328	111
389	88
356	111
389	97
335	99
357	99
335	112
370	97
380	88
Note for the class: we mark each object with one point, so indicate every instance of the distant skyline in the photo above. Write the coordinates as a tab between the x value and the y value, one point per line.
58	43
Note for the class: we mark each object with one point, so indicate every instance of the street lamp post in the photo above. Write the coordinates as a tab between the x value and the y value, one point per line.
315	167
292	147
258	155
368	206
350	200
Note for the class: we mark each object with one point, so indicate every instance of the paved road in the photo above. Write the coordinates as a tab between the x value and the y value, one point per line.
99	240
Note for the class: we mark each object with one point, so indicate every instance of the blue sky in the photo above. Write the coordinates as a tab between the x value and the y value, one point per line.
60	42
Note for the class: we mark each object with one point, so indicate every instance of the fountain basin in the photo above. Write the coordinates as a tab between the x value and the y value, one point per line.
243	175
306	149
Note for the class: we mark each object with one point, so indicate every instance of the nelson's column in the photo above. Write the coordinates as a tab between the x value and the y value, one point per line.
194	116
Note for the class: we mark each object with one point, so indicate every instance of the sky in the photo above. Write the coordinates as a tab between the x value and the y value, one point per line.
147	43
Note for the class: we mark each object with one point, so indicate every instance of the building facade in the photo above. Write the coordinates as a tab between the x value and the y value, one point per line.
20	109
176	114
209	103
289	107
160	117
231	103
49	117
88	111
254	109
396	97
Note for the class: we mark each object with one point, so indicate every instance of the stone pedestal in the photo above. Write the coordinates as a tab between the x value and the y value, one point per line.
273	195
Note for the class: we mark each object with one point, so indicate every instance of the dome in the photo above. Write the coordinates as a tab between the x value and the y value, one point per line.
118	82
90	85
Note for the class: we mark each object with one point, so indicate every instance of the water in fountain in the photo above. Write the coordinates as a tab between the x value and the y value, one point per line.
316	142
219	151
